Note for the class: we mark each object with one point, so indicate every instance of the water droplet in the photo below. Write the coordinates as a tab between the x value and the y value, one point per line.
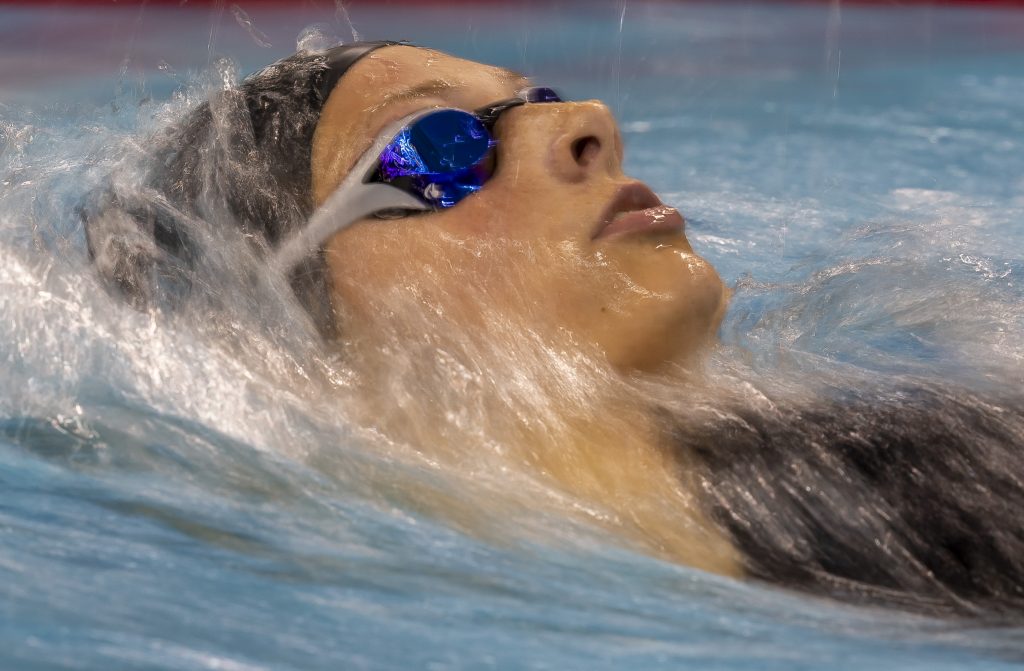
341	14
243	20
317	37
227	72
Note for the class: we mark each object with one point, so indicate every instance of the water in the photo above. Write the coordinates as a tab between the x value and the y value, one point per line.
181	497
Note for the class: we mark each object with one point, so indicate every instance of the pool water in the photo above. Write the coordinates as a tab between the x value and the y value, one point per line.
855	173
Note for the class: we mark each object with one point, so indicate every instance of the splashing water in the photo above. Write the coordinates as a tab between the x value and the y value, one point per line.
212	488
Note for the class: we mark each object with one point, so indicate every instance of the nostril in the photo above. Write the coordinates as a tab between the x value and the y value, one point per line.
585	149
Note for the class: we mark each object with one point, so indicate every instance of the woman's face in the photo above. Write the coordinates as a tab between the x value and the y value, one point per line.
547	244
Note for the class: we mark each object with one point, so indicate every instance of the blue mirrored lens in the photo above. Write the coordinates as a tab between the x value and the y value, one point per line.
450	140
441	155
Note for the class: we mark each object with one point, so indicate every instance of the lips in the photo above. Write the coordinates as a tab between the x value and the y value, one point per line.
635	209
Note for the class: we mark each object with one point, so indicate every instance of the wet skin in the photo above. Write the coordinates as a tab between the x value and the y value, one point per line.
538	250
642	299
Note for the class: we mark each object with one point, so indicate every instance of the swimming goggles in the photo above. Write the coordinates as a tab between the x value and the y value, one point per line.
430	160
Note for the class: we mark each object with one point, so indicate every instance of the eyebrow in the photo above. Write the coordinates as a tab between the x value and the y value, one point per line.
429	88
437	86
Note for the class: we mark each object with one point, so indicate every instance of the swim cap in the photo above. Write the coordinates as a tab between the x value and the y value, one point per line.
339	59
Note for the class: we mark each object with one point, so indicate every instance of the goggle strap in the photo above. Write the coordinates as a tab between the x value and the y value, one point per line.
354	199
346	206
489	115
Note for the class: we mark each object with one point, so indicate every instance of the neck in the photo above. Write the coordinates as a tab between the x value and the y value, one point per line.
575	426
613	459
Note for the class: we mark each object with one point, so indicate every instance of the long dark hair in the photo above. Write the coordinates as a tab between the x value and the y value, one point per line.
912	495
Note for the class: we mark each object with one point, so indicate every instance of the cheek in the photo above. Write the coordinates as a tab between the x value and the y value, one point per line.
639	303
380	269
365	263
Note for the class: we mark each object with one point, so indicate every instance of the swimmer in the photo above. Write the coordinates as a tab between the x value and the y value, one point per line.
415	201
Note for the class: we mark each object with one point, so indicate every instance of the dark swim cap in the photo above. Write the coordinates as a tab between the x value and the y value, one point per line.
241	158
339	59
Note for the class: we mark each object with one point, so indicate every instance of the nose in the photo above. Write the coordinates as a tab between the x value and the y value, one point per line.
574	141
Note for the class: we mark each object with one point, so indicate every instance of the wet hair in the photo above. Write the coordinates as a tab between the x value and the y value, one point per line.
911	496
240	159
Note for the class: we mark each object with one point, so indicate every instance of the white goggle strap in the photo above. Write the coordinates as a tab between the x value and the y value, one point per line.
354	199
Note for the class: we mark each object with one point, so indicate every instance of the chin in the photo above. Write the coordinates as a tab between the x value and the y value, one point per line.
679	326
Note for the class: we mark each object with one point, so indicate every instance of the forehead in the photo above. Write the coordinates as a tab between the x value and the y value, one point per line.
399	65
386	85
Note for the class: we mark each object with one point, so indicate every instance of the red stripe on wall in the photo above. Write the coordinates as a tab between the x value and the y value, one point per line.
326	3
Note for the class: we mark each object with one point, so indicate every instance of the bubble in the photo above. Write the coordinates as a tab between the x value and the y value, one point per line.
317	37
